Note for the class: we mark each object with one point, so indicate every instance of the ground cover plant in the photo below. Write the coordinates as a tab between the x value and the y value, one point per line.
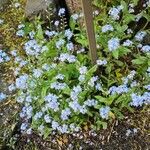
57	87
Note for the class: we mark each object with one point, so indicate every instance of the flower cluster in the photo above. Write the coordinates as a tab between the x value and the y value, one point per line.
104	112
115	12
4	57
65	56
139	100
32	48
113	44
2	96
107	27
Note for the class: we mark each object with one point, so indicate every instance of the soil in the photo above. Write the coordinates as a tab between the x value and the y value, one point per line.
115	137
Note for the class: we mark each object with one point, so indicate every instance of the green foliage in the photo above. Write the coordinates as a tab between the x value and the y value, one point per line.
109	86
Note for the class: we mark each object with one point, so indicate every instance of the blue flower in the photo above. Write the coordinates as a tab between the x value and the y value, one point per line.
61	11
2	96
137	100
104	112
113	44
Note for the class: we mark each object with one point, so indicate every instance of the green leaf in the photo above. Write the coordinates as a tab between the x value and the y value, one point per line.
47	132
101	124
92	70
135	2
147	16
81	39
72	24
44	91
107	101
66	91
123	51
128	18
115	54
39	34
139	61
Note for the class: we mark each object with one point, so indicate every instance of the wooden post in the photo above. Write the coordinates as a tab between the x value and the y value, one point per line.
88	16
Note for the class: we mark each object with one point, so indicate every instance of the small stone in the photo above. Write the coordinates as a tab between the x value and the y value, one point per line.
35	6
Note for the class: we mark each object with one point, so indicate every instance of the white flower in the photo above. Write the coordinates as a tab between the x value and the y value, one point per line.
24	126
52	102
56	23
146	48
81	51
14	53
70	46
75	106
101	62
47	118
129	31
113	44
65	56
96	12
107	27
37	73
46	67
31	34
63	128
134	84
75	92
50	33
90	102
12	87
17	5
127	43
128	132
58	86
29	131
2	96
114	12
83	70
61	11
65	113
20	98
92	81
148	70
55	125
38	115
21	82
44	49
75	16
1	21
20	33
41	129
60	43
104	112
32	48
140	35
98	86
147	87
81	78
60	76
68	34
131	75
28	99
21	26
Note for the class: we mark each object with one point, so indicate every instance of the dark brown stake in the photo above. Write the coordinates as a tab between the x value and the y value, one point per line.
88	15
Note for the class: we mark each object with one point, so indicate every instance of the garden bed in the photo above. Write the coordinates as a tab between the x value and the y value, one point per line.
53	97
